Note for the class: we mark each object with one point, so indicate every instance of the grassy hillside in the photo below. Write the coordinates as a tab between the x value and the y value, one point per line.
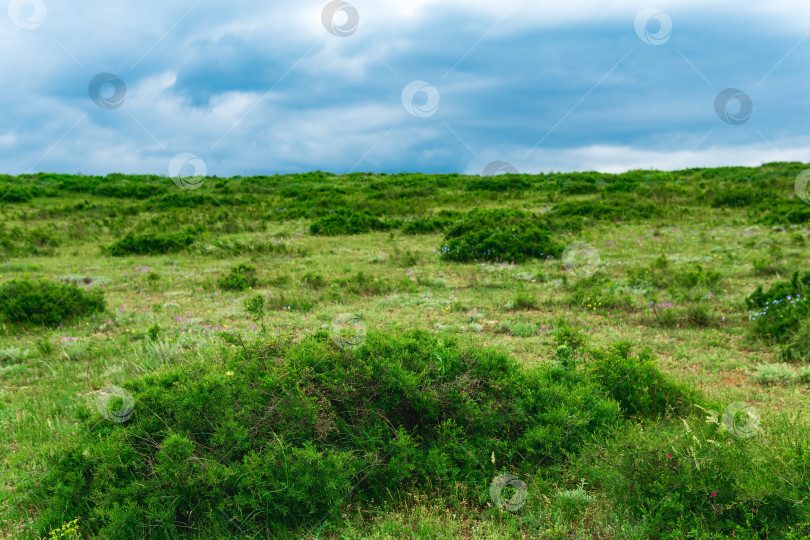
570	355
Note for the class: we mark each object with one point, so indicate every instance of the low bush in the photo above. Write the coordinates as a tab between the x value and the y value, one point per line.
348	222
291	301
240	278
780	373
498	236
517	329
766	266
12	193
632	379
362	283
522	302
46	303
618	209
595	293
782	314
150	244
430	224
313	280
693	478
283	434
662	274
235	248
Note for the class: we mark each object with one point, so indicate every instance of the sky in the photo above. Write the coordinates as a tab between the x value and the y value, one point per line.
432	86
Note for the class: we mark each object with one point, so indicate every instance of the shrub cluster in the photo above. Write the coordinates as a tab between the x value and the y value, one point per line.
633	380
46	303
240	278
693	478
499	236
362	283
282	434
430	224
348	222
150	244
782	314
619	209
661	274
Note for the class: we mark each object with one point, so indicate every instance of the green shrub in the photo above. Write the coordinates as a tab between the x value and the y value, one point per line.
362	283
46	303
698	316
522	302
694	479
348	222
291	301
608	210
595	293
633	380
255	307
498	236
500	183
517	329
782	314
661	274
15	193
241	278
281	435
313	280
565	334
150	244
280	280
234	248
429	224
766	266
780	373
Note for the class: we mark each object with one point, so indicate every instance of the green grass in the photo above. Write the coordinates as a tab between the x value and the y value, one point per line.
675	274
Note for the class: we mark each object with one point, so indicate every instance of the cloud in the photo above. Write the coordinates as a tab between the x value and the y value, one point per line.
615	158
264	88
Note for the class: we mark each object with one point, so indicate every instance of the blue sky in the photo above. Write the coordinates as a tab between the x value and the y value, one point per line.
267	88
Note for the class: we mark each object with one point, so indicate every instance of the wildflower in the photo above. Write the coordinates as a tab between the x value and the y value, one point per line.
229	373
714	494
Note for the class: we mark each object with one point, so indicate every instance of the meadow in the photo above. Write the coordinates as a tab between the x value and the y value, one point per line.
564	355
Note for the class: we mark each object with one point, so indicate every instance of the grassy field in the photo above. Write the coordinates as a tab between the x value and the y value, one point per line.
670	261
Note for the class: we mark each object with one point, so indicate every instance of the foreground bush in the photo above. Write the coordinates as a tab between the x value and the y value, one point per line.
46	303
706	477
150	244
282	435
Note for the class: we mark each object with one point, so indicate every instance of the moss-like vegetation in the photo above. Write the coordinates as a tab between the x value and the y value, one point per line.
46	303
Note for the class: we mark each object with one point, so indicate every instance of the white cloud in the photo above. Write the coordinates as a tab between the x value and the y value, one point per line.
621	158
